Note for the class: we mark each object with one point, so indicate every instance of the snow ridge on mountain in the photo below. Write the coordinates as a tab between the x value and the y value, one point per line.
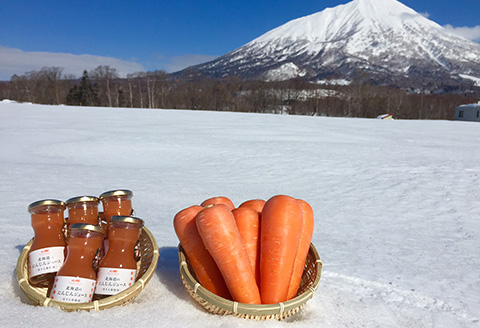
382	38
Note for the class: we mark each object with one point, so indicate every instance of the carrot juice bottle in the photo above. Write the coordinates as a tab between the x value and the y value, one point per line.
116	202
76	279
46	254
83	209
118	269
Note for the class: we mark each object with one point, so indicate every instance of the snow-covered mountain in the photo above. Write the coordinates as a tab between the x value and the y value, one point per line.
383	39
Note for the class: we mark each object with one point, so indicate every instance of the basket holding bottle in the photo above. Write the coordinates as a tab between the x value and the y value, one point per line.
90	256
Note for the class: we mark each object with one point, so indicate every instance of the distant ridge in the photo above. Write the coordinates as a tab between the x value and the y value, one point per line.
384	40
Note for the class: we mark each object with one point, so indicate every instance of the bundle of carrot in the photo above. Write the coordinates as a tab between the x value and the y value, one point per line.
254	253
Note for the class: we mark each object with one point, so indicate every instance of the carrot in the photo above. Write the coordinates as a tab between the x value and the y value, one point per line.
256	204
200	259
219	232
248	223
282	221
303	247
218	200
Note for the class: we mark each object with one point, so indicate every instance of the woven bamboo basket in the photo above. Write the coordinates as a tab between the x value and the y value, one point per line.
145	269
221	306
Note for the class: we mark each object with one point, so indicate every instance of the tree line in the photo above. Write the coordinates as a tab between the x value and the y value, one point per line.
103	86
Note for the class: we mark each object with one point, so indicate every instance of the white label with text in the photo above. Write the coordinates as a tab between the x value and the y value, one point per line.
73	289
45	260
111	281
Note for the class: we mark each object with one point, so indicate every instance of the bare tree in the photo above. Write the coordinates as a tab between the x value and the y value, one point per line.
50	80
105	76
139	76
130	77
233	85
155	82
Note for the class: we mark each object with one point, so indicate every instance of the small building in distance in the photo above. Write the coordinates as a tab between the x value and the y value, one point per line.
470	112
385	117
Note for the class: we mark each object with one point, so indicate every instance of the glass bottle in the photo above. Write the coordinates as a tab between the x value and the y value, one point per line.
83	209
116	202
46	254
118	269
76	279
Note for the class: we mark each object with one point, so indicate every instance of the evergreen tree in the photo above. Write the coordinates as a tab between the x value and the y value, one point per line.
85	94
73	97
121	101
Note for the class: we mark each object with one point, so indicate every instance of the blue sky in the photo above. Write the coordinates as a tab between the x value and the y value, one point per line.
162	34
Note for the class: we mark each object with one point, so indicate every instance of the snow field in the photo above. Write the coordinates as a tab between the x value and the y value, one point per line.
397	205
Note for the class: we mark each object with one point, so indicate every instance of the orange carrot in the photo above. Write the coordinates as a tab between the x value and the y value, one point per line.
200	259
248	223
218	200
219	232
256	204
282	222
303	247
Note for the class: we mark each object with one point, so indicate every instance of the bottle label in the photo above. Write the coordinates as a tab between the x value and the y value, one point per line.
45	260
111	281
73	289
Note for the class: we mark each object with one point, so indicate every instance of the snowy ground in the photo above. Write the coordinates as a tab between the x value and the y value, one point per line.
397	205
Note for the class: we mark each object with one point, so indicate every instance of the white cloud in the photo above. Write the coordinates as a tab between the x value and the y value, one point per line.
425	14
178	63
16	61
470	33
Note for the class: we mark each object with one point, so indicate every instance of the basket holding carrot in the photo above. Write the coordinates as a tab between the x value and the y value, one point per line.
252	254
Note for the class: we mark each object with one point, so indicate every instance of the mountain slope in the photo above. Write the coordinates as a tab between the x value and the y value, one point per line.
384	39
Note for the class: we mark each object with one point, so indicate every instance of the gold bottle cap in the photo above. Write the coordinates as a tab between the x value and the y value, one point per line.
82	199
126	219
86	226
119	192
51	202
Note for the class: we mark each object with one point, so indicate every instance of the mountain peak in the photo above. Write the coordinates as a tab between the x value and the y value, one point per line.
384	38
345	20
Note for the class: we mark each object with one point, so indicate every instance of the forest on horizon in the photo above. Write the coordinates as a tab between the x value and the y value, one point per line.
103	86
